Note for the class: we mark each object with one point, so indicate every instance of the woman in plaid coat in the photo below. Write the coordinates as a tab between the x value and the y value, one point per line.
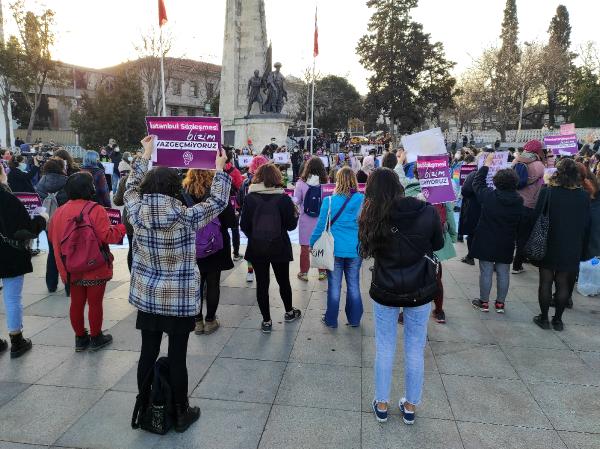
165	281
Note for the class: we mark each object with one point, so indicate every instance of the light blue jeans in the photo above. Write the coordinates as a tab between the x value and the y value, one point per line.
12	290
415	338
486	274
349	267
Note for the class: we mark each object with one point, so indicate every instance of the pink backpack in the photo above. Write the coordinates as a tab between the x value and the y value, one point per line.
80	248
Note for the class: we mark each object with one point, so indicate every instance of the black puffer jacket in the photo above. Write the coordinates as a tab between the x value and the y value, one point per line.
470	210
416	231
496	232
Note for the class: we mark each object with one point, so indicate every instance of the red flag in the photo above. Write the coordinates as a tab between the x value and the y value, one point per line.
162	13
316	44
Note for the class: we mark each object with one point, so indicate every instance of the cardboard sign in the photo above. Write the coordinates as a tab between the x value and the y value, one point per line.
434	177
567	128
500	161
31	201
244	160
465	171
426	143
108	167
562	145
114	215
185	142
281	158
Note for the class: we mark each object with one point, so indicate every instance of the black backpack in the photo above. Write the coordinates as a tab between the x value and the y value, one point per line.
266	227
154	409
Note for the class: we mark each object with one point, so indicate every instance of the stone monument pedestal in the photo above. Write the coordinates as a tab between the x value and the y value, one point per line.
258	128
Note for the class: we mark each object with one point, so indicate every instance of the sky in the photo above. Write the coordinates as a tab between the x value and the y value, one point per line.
102	33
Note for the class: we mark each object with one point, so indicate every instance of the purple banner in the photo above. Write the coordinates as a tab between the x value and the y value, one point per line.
562	145
114	215
434	177
327	190
185	142
31	201
465	171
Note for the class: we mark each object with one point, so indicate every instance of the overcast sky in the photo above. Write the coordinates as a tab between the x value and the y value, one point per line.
101	33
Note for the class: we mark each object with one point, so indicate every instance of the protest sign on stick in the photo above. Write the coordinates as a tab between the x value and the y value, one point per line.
500	161
281	158
434	177
465	171
185	142
567	128
32	203
562	145
114	215
426	143
244	160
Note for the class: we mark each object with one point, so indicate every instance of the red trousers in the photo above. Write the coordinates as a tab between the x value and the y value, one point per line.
93	296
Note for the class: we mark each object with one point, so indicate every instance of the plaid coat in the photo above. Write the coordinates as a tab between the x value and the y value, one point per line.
164	277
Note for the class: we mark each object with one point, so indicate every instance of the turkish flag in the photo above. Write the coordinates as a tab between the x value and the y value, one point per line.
316	44
162	13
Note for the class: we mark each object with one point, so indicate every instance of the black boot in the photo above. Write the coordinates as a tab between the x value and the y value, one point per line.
3	345
542	321
185	416
19	345
82	343
99	341
557	324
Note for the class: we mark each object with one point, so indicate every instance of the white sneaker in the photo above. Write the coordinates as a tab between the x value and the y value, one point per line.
250	277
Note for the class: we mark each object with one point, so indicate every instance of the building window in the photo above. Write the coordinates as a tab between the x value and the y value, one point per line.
191	112
210	91
194	89
174	111
177	86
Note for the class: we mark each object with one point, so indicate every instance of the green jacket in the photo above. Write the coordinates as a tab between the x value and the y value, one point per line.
413	189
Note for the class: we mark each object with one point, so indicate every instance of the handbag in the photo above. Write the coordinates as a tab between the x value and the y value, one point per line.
153	410
537	244
322	252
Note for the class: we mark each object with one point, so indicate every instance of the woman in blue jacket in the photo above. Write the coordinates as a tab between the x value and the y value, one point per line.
345	205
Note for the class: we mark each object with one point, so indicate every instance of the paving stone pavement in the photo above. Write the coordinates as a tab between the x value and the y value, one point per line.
491	381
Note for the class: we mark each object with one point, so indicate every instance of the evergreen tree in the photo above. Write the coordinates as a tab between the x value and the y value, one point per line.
116	111
505	88
558	61
586	98
409	72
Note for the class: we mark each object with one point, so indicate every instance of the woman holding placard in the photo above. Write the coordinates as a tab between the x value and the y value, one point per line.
308	196
339	214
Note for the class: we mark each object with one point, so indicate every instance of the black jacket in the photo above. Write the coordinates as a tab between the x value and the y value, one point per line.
15	223
569	228
221	260
20	182
593	249
289	221
470	210
398	265
496	231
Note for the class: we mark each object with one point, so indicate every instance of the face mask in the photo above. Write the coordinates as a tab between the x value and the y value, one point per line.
244	151
23	166
103	153
129	159
117	150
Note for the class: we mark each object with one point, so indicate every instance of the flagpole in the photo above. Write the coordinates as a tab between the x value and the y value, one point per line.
306	117
162	76
312	108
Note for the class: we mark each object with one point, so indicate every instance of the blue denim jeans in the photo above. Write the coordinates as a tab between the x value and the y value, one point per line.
486	274
12	303
115	182
415	338
350	267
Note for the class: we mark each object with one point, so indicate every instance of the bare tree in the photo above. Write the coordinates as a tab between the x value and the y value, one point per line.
148	66
36	67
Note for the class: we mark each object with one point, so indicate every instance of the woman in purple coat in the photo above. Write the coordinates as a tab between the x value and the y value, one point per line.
308	196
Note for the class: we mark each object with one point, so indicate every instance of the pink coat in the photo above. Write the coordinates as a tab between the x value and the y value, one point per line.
306	224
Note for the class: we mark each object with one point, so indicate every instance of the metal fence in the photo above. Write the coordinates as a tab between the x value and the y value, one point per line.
60	137
514	136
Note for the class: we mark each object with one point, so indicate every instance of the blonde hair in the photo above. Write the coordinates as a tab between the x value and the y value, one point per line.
198	182
345	181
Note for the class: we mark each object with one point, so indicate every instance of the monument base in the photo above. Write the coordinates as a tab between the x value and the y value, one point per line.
257	128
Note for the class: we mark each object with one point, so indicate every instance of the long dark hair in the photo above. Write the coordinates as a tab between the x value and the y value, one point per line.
374	227
315	166
567	174
162	180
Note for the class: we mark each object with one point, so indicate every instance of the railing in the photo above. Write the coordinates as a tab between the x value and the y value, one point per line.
60	137
514	136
